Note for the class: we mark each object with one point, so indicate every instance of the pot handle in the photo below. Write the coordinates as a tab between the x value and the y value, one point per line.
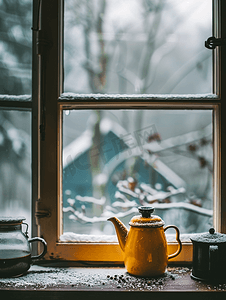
178	240
213	259
38	239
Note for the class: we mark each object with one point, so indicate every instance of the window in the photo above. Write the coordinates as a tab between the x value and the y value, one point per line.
115	40
15	108
52	109
110	167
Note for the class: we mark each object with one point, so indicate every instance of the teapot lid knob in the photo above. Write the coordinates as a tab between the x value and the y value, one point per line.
146	211
211	230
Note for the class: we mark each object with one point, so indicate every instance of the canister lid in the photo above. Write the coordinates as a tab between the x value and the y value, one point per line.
210	237
146	219
11	220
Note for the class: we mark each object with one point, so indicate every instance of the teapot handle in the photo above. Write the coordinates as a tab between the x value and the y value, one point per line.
178	240
38	239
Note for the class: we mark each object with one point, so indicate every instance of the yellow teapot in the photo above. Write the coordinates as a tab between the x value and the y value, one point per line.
144	246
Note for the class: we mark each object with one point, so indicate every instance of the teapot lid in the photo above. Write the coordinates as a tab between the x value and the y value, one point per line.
146	219
11	220
210	237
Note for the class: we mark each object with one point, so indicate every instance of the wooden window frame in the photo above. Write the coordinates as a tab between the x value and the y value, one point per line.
46	177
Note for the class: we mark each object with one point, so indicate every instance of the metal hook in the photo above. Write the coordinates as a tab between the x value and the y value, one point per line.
212	42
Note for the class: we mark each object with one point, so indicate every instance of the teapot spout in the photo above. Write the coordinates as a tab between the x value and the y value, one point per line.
121	231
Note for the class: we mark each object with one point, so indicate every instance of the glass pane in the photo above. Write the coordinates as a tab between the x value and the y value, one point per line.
15	47
15	164
137	46
117	160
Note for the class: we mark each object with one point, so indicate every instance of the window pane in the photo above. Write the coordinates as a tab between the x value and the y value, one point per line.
137	46
117	160
15	47
15	164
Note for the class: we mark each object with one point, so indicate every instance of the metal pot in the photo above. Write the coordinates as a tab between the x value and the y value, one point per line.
15	253
209	257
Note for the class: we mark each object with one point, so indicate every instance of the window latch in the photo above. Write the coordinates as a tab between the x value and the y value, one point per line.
212	42
41	212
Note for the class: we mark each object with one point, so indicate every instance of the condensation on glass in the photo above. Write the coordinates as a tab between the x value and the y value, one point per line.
137	47
116	160
15	164
15	47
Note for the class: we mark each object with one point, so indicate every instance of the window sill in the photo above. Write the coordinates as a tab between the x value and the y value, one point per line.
77	282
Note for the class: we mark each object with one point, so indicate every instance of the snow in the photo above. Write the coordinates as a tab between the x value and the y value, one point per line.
88	199
126	204
41	278
70	97
87	238
25	98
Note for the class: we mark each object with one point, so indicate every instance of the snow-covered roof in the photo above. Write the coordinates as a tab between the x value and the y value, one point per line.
77	147
84	141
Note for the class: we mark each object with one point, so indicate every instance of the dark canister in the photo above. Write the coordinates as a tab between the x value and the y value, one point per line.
15	254
209	257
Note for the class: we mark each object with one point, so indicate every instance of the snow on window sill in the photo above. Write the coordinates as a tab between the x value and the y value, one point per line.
87	238
160	97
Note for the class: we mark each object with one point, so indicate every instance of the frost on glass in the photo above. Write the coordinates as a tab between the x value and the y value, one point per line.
137	46
15	164
15	47
116	160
